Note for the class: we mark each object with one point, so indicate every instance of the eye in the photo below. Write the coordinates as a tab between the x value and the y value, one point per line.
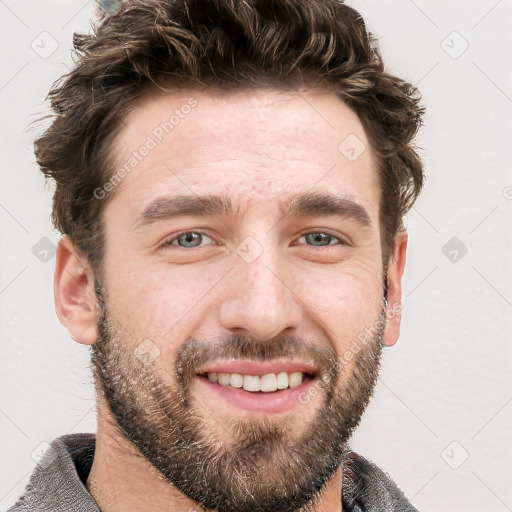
188	239
319	239
192	239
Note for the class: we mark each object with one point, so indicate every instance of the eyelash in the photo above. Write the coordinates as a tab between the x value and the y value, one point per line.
169	243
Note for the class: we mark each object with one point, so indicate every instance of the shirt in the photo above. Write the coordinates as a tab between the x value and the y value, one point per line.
58	483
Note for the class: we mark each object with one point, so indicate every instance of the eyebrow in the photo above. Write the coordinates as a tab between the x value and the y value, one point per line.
301	205
320	203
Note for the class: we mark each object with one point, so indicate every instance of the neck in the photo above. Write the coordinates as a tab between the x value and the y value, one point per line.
121	478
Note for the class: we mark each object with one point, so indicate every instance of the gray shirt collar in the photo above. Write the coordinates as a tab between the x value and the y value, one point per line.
58	482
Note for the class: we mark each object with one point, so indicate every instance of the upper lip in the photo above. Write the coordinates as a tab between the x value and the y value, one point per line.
251	367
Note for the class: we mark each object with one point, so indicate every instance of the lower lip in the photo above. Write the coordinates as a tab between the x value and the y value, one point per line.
272	402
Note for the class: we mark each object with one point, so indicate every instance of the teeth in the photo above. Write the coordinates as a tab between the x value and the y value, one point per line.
268	382
236	380
252	383
265	383
282	380
295	379
223	379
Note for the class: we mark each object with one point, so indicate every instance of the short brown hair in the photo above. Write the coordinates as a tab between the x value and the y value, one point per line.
220	44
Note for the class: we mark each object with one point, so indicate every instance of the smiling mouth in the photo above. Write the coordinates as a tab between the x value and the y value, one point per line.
270	387
267	383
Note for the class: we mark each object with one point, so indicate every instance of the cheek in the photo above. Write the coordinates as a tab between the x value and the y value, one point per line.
159	303
345	303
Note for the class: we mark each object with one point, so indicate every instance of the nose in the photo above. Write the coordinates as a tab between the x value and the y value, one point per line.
260	299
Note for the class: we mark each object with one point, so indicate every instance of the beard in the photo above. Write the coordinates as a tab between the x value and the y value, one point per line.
249	464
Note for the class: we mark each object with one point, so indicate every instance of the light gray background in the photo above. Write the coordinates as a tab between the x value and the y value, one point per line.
440	420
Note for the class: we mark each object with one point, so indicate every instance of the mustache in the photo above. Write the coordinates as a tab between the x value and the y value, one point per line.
195	353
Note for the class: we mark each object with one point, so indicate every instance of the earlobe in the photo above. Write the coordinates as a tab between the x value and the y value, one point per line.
395	273
75	299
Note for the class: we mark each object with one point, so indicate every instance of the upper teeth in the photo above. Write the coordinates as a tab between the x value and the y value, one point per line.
266	383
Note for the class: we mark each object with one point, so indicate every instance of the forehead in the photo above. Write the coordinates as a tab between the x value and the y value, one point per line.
256	146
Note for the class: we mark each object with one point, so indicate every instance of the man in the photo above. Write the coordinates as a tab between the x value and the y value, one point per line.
231	179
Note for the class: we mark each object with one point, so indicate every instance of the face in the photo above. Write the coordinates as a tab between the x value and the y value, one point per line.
242	265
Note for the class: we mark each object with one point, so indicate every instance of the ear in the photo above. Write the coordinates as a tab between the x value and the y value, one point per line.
395	272
75	298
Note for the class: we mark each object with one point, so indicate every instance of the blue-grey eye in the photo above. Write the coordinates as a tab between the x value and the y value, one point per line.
190	239
319	239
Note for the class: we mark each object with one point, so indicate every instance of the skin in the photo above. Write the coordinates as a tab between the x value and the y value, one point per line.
258	148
